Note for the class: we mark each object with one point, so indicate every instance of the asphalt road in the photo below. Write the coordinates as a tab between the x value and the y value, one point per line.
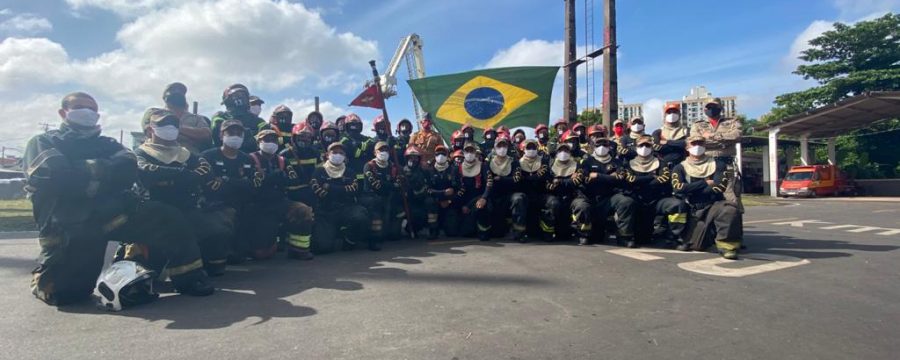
802	292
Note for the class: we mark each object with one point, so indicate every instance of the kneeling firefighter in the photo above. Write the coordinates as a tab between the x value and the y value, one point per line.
535	172
649	185
381	196
509	205
443	180
472	197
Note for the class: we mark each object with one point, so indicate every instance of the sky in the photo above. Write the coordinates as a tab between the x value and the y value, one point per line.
124	52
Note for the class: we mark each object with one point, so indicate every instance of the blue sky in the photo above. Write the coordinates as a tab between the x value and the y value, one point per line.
125	51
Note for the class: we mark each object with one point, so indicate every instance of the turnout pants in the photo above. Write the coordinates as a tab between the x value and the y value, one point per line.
719	221
472	221
267	219
214	229
663	218
385	216
589	217
554	219
72	255
337	228
509	212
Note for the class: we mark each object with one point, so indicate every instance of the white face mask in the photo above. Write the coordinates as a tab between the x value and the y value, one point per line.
637	127
233	142
696	150
383	156
411	163
530	153
167	132
82	117
672	118
268	148
500	151
644	151
255	109
563	156
336	158
601	150
440	159
469	157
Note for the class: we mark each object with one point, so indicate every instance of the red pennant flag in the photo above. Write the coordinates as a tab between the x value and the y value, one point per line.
369	98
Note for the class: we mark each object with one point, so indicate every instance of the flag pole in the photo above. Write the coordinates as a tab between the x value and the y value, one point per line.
403	187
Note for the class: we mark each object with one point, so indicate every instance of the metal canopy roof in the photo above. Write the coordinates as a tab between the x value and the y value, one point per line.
853	113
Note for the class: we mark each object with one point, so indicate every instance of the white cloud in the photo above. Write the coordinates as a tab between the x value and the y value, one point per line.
801	42
851	9
25	24
126	8
529	53
653	114
206	45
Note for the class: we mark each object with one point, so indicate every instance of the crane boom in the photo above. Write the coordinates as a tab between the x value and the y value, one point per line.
410	46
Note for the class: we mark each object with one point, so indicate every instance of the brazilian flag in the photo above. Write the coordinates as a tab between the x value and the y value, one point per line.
513	96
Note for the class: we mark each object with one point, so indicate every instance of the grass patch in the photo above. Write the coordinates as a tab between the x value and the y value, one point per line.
759	200
15	215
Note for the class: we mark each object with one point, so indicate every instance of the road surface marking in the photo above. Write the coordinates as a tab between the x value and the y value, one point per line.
646	254
863	228
884	211
800	223
711	266
768	220
837	227
238	291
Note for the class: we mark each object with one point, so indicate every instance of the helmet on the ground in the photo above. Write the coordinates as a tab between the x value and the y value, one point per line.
125	283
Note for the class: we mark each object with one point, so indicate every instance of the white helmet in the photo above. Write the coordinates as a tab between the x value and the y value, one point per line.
124	283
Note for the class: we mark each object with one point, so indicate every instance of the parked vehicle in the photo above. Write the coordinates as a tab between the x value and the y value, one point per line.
816	180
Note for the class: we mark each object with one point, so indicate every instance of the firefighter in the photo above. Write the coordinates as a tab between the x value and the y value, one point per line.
473	194
509	205
194	132
490	136
170	174
468	132
702	182
282	123
561	126
79	183
340	124
236	99
443	180
561	191
329	134
671	137
417	191
404	131
340	221
721	135
503	130
619	137
272	213
457	141
232	186
256	105
658	215
601	195
382	129
534	169
426	139
356	145
381	196
627	141
304	155
314	122
458	158
542	134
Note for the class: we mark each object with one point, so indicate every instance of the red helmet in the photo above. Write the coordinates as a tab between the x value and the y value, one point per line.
672	106
381	121
352	118
301	128
597	128
328	125
454	135
540	127
578	125
561	121
458	153
412	150
503	130
566	136
502	138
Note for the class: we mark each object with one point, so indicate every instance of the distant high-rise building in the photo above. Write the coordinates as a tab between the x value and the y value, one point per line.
628	111
692	104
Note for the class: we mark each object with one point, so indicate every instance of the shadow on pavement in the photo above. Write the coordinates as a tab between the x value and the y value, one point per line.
776	243
267	289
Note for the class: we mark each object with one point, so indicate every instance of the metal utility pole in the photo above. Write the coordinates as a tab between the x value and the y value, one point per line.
317	104
610	75
570	74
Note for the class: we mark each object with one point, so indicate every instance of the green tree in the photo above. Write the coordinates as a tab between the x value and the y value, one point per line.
846	61
590	117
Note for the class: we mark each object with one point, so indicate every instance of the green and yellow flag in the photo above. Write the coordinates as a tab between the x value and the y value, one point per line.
513	96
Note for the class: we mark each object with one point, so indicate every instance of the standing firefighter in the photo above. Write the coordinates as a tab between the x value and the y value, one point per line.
282	123
473	194
509	205
381	196
701	181
649	185
721	134
356	145
314	122
542	134
443	180
170	174
233	173
194	133
601	196
271	211
340	221
426	139
562	188
671	137
404	131
80	186
303	154
534	168
236	99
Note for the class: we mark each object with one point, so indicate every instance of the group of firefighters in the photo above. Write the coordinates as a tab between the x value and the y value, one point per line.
200	193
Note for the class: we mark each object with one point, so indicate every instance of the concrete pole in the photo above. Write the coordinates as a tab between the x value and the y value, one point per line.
773	162
804	149
610	74
765	167
832	155
738	157
570	94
